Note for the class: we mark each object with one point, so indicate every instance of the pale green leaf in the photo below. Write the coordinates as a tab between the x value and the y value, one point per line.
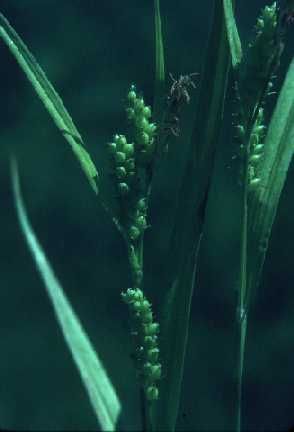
232	33
101	392
191	204
159	99
49	98
278	153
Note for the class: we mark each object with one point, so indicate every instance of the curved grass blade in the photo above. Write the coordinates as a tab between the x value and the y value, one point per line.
101	393
49	97
232	33
278	153
191	204
159	64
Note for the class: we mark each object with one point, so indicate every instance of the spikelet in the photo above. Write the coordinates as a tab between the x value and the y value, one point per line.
146	332
140	116
254	82
255	151
137	221
123	162
260	63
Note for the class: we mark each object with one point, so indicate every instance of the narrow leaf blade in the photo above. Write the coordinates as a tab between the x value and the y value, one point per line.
278	153
232	33
191	204
49	98
101	392
159	63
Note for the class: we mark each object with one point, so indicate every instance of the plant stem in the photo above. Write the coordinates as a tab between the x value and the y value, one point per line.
242	306
135	255
242	340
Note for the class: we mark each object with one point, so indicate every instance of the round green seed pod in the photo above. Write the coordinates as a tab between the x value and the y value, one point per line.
142	123
141	222
120	172
134	233
150	130
155	372
258	148
132	95
260	24
130	113
147	369
151	329
240	131
152	355
255	158
147	112
137	306
139	105
147	317
112	147
123	189
120	157
152	372
145	306
141	205
254	182
129	150
150	341
120	141
129	295
143	139
138	294
152	393
260	128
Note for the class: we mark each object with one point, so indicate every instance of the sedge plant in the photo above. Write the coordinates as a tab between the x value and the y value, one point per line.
264	142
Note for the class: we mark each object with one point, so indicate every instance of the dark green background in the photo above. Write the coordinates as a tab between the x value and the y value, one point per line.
92	51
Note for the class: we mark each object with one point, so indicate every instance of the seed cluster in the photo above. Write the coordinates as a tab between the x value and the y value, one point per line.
256	146
254	83
138	220
146	331
124	163
139	114
255	150
261	60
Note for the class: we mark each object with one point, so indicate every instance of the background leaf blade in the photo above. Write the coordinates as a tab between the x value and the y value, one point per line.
159	100
101	393
278	153
232	33
191	205
49	98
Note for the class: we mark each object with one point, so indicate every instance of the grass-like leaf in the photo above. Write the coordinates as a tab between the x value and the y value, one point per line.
232	33
49	97
188	228
278	153
94	377
159	99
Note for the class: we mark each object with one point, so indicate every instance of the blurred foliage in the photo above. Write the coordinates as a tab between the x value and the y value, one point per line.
92	51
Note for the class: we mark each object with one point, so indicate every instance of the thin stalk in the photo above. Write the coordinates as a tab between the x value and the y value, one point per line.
242	307
242	335
143	411
135	255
